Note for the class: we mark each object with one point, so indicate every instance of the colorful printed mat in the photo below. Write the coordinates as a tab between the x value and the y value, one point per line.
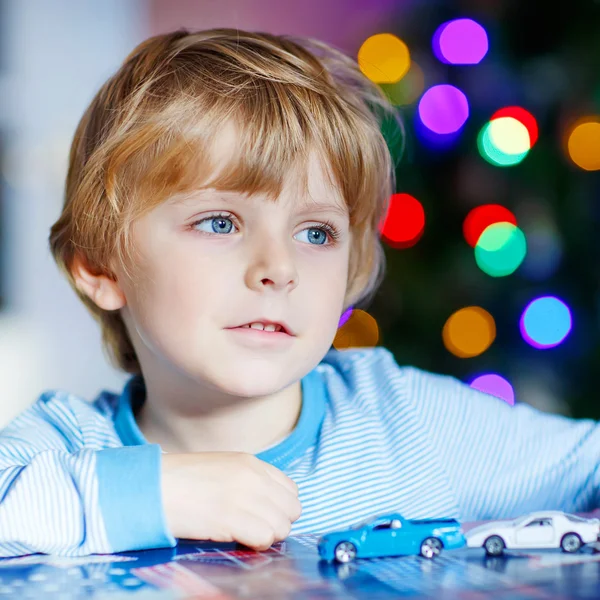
292	570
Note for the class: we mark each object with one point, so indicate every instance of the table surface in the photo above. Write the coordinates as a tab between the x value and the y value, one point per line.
292	569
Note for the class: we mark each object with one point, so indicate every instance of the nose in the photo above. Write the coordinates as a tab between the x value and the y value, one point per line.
272	264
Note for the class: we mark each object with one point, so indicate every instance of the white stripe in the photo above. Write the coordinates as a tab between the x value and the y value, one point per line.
393	439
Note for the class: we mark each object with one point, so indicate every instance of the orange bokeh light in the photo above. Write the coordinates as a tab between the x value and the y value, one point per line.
359	331
469	332
384	58
583	144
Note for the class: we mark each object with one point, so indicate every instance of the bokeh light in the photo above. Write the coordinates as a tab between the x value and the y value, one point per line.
509	136
404	222
460	42
408	89
481	217
384	58
345	316
523	116
545	322
500	249
583	144
504	130
469	332
443	109
359	331
495	385
435	141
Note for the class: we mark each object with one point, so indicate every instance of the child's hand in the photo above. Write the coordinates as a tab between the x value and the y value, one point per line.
228	496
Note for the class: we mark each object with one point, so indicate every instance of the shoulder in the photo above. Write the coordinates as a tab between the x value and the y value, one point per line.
60	419
373	373
370	376
361	363
379	365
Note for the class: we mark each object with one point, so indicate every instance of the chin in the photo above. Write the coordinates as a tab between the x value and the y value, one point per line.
248	378
251	387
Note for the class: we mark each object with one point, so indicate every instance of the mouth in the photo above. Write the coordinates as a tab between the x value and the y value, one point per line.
266	327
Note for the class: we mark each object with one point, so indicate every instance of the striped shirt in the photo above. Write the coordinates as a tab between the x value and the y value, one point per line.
373	437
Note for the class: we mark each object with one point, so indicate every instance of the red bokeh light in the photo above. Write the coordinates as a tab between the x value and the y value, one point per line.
521	115
404	223
481	217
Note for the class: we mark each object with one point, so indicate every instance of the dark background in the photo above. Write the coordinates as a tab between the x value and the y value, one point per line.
544	57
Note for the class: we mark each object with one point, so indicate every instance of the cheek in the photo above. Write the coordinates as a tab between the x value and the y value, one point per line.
177	291
168	311
324	287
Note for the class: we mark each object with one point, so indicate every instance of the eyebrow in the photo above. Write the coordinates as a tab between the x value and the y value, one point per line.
316	207
323	208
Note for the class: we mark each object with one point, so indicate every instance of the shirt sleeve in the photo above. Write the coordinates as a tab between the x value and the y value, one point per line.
59	497
503	461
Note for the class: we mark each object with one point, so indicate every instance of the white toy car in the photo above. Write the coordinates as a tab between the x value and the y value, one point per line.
544	529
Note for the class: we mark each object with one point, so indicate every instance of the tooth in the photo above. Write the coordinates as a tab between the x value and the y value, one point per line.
257	326
270	327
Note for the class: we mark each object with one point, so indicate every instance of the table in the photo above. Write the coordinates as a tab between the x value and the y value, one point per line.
292	569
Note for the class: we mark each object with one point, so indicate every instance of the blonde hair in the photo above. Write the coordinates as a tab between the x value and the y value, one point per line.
146	136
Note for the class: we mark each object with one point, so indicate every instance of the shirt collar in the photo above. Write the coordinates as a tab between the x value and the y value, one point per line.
303	436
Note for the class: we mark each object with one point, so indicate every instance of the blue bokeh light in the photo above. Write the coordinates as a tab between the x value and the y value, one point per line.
546	322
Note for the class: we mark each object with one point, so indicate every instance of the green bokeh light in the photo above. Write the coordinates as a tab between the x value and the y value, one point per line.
501	249
494	155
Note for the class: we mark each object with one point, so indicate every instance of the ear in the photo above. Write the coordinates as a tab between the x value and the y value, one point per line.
102	289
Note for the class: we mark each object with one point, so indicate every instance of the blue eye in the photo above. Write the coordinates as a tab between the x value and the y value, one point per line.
219	224
223	224
316	235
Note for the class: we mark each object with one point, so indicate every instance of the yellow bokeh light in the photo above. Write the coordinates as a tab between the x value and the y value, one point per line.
509	135
584	144
359	331
384	58
469	332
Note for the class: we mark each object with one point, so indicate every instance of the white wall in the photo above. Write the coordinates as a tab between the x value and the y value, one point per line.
57	55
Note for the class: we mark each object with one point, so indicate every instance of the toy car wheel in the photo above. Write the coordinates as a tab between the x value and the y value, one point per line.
431	547
345	552
494	545
570	542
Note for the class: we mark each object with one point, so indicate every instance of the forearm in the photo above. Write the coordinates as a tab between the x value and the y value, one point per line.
547	463
82	503
503	460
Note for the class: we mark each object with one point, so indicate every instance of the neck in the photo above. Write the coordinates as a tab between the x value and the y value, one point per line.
195	419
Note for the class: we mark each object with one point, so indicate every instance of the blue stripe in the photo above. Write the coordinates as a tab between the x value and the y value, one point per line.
372	438
314	400
133	513
304	435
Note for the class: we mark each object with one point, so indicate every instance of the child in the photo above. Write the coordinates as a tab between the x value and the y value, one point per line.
194	176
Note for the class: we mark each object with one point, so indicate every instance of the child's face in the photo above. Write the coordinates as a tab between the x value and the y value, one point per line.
259	259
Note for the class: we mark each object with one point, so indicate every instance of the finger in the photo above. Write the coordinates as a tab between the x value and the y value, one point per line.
252	530
280	477
270	510
286	501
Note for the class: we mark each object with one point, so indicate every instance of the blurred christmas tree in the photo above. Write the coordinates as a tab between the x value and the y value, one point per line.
545	59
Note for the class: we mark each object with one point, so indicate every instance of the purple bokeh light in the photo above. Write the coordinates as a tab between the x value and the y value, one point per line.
495	385
443	109
432	140
460	42
345	316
